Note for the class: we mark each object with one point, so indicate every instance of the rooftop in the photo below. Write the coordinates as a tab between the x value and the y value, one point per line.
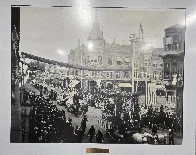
177	26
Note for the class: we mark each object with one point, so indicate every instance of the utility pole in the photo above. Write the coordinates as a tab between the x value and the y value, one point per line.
146	97
133	41
81	64
81	71
138	64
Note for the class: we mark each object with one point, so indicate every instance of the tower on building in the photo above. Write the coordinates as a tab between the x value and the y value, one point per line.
95	38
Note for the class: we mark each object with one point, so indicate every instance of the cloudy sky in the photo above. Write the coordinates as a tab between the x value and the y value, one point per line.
52	32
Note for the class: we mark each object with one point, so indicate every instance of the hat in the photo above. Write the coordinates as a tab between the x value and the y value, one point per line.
144	139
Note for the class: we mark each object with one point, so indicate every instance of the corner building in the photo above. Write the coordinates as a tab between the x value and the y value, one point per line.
110	63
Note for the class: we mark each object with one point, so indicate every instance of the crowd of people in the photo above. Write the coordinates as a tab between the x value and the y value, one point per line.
119	108
117	112
48	124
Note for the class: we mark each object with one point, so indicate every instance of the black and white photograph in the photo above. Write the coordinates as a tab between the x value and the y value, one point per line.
97	75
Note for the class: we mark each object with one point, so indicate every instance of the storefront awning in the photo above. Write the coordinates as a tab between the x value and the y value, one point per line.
160	87
125	85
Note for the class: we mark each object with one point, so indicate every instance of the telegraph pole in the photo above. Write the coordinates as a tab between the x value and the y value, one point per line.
133	41
81	64
138	65
81	71
146	97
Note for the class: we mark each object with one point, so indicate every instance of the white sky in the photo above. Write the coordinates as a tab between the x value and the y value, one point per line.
52	32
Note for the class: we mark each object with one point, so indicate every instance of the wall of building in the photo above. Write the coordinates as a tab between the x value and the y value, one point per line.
174	38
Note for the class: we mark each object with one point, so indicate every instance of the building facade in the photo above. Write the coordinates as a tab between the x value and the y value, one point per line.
173	65
174	39
112	60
